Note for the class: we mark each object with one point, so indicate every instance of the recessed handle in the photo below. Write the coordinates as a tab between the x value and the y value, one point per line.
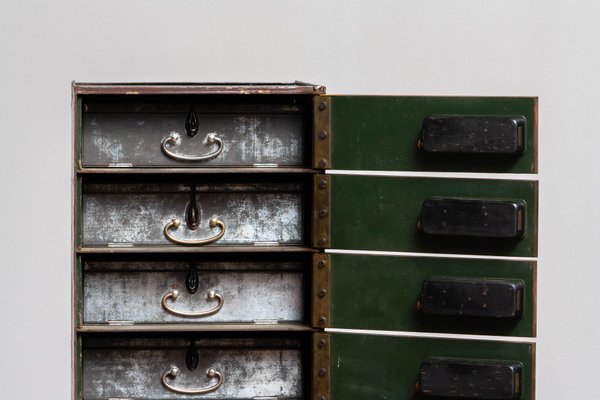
470	297
174	138
471	379
211	374
501	219
473	134
174	294
175	223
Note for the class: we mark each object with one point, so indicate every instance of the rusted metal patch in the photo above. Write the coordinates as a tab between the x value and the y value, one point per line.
321	132
321	291
321	366
321	212
197	88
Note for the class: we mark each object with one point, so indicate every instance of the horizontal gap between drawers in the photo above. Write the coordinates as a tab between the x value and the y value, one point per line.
511	339
432	174
431	255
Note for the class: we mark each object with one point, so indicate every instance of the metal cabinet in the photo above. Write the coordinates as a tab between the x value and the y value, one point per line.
229	242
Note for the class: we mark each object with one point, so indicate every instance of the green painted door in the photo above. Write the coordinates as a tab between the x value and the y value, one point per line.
374	367
381	293
382	133
383	213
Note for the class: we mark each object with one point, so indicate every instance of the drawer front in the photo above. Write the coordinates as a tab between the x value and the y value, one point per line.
143	292
468	301
144	214
163	135
472	216
421	133
369	367
141	368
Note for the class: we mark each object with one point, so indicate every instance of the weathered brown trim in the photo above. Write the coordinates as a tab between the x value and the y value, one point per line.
321	291
197	88
321	367
534	294
321	236
206	249
533	370
75	351
537	218
322	132
289	327
535	134
195	170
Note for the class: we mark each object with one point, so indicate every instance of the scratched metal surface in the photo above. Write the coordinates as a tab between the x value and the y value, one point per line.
248	139
136	214
132	291
248	372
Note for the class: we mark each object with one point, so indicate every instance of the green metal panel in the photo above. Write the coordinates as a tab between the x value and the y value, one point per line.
384	367
381	213
381	292
381	132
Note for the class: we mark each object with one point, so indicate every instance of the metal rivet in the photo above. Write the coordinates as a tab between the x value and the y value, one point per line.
420	144
322	342
323	184
322	105
323	241
321	264
323	135
322	212
322	371
323	162
419	305
322	292
322	320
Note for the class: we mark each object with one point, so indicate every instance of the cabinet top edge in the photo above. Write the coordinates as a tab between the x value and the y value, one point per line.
83	88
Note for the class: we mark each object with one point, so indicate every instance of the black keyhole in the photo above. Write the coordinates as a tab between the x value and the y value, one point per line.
192	211
192	280
191	124
192	357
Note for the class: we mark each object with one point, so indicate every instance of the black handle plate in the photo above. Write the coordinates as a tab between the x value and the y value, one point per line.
473	217
468	297
473	134
471	379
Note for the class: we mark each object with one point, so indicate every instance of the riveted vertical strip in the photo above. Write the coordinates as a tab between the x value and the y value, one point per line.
321	212
321	366
322	132
321	291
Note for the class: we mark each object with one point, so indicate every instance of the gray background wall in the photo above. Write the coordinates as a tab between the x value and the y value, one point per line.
463	47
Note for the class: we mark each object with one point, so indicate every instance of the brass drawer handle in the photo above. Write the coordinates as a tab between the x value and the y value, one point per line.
175	223
173	138
174	294
211	373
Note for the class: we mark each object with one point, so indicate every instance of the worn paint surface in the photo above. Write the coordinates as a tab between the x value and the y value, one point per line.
136	373
133	292
379	292
247	139
382	213
368	367
381	133
137	213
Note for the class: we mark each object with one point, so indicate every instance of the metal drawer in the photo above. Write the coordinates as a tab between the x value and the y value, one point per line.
433	215
195	131
378	366
158	213
143	367
259	290
397	294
